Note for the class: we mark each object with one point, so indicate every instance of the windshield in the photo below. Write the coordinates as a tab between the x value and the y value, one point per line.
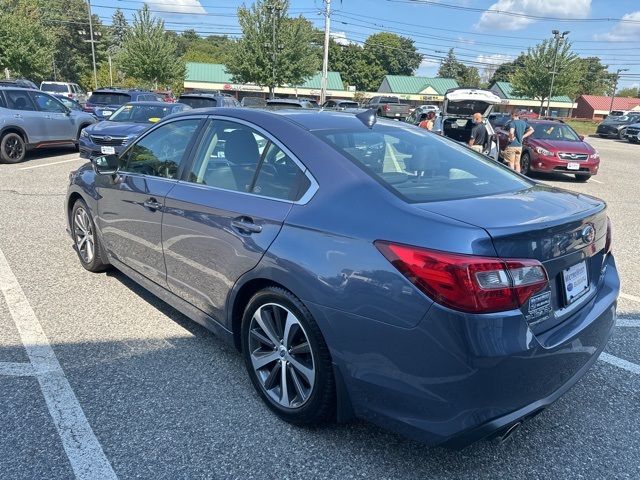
420	166
109	98
54	87
199	102
552	131
140	113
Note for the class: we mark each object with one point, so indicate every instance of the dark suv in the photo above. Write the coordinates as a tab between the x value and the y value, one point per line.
615	125
208	99
104	101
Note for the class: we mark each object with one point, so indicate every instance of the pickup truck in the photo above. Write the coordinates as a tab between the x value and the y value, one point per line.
389	107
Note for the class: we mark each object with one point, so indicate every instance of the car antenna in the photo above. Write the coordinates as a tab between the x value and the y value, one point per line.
368	117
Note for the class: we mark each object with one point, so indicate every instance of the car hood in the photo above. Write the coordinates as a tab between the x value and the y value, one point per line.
464	102
561	145
120	129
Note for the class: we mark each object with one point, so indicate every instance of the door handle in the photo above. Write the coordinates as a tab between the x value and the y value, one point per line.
17	115
245	225
152	204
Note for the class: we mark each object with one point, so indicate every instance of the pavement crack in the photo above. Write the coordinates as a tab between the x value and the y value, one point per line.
16	192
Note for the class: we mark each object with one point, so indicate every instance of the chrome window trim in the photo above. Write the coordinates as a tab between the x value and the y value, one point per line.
303	200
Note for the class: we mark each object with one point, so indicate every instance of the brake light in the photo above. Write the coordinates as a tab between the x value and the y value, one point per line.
609	238
70	95
466	282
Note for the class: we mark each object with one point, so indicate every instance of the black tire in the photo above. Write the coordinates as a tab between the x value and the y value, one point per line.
525	163
97	262
583	177
12	148
320	405
620	135
632	140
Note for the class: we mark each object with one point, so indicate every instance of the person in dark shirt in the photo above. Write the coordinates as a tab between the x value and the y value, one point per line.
518	131
478	138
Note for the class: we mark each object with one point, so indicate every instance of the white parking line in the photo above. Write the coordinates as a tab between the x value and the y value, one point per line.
597	181
80	444
51	163
620	363
629	297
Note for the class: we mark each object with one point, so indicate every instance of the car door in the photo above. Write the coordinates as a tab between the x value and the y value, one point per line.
131	203
24	113
230	207
59	125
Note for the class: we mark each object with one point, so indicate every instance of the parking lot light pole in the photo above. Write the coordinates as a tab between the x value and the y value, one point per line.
92	41
615	86
325	57
559	37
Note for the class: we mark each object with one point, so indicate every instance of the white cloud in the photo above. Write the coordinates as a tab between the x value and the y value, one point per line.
492	61
340	38
622	30
192	7
570	9
428	67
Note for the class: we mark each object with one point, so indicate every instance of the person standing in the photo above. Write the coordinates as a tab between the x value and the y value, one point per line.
478	138
426	120
518	131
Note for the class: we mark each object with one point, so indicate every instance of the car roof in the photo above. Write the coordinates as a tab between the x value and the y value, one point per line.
205	94
58	83
152	103
120	90
309	119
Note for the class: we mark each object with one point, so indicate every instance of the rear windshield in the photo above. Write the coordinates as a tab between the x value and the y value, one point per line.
109	98
466	107
199	102
389	100
54	87
421	166
348	104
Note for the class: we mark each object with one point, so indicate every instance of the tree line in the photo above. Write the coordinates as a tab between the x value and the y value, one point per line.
45	39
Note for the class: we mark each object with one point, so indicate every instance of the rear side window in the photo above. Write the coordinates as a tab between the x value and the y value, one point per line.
19	100
199	102
420	166
55	87
109	98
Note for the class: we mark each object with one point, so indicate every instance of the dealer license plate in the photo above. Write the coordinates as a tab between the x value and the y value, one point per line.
576	282
106	113
573	166
108	150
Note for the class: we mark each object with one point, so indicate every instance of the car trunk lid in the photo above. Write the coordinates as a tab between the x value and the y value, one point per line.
565	231
464	102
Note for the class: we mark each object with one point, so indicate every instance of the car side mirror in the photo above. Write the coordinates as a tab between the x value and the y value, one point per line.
105	164
581	137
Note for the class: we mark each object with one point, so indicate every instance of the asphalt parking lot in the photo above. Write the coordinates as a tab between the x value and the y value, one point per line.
101	379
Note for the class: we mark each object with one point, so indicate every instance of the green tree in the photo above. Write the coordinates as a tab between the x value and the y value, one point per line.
594	78
119	29
25	43
503	72
257	58
533	80
148	54
464	75
628	92
357	67
395	54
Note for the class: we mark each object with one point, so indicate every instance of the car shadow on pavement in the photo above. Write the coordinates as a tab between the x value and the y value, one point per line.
48	152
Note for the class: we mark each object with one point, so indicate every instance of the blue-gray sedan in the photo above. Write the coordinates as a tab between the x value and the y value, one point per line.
363	269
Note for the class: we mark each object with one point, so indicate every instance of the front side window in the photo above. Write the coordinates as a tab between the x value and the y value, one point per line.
19	100
238	158
422	167
160	152
47	103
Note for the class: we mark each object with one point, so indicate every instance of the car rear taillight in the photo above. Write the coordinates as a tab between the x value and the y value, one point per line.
385	107
609	238
467	282
69	95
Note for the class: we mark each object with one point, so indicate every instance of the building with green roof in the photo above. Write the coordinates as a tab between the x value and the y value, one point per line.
417	88
213	76
560	105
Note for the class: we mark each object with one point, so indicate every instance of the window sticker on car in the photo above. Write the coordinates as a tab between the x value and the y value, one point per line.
539	307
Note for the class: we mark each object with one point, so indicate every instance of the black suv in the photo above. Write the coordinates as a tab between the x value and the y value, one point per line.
198	99
104	101
616	125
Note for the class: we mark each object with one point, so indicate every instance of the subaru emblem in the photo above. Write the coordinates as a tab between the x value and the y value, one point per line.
588	234
108	138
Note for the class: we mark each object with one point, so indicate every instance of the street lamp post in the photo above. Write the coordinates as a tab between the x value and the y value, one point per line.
325	56
559	37
615	86
275	8
93	48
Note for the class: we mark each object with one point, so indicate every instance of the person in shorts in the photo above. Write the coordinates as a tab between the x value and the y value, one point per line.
479	135
518	131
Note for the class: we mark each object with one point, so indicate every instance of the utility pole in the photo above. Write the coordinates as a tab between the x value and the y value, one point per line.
110	72
93	48
559	37
615	86
325	57
275	8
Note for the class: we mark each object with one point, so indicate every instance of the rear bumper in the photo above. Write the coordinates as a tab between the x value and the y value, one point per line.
458	378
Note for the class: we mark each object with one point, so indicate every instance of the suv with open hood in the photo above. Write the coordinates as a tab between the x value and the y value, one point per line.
458	108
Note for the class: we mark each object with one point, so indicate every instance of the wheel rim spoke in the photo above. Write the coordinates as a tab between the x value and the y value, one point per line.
84	235
281	355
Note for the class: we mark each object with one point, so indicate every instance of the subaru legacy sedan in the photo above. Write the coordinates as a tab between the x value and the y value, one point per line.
363	269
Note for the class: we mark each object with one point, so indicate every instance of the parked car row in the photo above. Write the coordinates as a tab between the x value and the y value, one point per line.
617	123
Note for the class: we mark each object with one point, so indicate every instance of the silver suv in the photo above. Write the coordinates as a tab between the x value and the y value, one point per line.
69	90
32	119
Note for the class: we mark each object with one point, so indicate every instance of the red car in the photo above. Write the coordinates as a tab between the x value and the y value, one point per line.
555	147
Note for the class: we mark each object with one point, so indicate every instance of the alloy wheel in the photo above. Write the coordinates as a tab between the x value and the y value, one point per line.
281	355
83	231
13	148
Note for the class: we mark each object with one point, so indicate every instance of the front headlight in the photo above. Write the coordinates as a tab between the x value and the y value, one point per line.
83	133
544	152
129	139
593	156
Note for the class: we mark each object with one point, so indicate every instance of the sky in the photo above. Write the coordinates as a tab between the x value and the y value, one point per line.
477	30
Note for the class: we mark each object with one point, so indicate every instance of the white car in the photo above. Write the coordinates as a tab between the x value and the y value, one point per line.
69	90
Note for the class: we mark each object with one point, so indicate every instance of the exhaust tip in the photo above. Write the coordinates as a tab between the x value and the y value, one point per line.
509	432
